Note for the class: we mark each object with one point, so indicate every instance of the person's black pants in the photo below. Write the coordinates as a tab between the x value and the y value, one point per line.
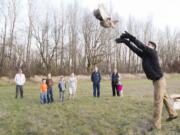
19	88
115	90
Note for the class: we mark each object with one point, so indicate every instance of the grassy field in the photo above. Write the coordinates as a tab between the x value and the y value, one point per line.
86	115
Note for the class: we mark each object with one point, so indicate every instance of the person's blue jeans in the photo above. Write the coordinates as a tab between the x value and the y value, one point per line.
50	97
96	86
43	98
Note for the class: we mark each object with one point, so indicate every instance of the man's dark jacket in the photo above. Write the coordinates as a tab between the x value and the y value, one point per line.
150	62
114	78
96	77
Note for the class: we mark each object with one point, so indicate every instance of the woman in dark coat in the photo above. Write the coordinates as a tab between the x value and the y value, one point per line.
114	80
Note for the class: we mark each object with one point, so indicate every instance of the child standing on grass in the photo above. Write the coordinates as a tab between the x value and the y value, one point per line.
120	88
43	94
62	88
72	86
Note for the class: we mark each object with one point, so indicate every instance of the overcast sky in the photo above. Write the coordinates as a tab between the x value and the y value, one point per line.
163	12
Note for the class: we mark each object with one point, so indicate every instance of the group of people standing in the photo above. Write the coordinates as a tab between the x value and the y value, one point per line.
115	82
46	88
46	94
151	67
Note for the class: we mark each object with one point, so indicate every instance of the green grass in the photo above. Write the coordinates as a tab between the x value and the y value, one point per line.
86	115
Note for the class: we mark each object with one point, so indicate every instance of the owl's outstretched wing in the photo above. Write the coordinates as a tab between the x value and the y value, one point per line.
103	13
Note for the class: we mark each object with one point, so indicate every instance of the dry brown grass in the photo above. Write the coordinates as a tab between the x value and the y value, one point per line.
124	76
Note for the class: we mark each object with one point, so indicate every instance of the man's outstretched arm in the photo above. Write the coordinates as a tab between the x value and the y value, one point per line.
138	43
144	47
132	47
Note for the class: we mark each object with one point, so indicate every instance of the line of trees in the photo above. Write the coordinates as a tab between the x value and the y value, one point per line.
69	39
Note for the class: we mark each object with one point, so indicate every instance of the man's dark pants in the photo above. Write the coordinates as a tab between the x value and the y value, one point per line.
115	90
19	88
96	86
50	97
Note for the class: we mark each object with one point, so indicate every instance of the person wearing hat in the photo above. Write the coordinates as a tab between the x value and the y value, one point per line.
153	71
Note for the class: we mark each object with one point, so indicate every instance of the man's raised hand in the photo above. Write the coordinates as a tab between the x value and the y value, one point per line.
121	40
127	35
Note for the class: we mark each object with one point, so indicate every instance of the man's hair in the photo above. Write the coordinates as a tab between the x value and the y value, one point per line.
152	43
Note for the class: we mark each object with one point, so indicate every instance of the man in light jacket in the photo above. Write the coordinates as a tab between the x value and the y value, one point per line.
19	80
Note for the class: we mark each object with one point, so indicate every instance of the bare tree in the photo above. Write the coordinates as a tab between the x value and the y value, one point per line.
46	48
95	41
3	38
73	35
12	14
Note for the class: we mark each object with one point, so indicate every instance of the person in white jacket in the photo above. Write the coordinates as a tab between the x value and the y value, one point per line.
19	80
